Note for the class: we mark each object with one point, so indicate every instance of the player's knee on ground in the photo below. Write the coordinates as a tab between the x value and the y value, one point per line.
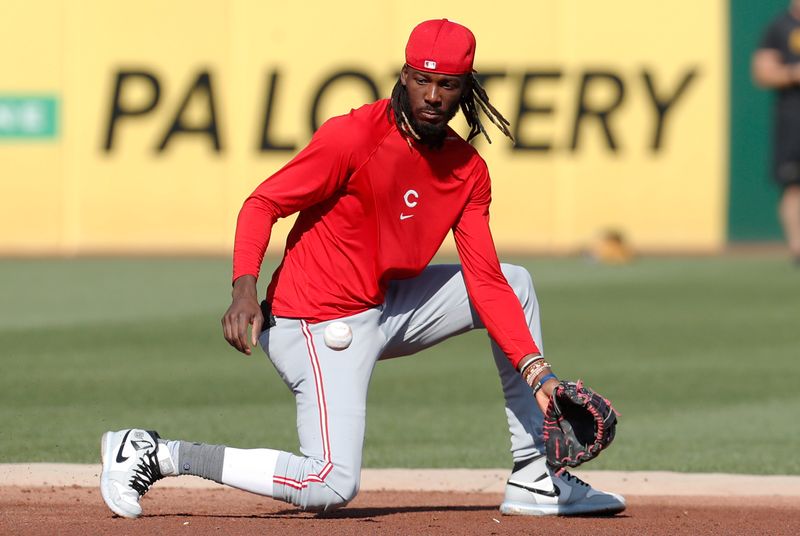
324	498
317	485
520	281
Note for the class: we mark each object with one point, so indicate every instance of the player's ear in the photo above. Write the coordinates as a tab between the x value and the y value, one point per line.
404	74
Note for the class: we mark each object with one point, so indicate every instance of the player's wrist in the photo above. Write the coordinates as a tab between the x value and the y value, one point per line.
543	379
537	372
245	287
526	361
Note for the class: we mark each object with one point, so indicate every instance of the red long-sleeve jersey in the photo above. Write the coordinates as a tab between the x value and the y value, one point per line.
374	208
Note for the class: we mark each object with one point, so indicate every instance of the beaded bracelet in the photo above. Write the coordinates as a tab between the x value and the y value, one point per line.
531	372
524	371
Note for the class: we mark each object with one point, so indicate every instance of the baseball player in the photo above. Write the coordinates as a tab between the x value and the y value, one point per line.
377	191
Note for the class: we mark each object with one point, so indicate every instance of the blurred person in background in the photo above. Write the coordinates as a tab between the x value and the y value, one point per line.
776	65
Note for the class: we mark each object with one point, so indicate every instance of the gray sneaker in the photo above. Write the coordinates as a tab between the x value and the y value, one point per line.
534	490
132	461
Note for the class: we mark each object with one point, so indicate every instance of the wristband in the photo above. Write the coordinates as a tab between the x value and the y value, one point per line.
542	381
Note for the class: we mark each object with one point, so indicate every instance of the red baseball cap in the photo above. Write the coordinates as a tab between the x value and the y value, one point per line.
441	46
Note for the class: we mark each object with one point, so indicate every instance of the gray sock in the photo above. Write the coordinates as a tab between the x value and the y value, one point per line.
202	460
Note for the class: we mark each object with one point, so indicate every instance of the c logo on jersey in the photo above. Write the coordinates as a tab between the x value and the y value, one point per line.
794	41
410	198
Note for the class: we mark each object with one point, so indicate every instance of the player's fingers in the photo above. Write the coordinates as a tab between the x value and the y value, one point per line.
226	329
229	330
258	323
229	323
542	401
240	333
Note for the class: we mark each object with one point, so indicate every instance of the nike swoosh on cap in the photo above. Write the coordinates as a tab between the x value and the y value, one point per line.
405	216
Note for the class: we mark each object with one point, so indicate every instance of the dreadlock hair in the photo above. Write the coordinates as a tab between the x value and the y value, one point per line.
473	98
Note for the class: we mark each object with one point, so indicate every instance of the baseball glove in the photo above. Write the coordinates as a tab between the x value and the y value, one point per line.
578	424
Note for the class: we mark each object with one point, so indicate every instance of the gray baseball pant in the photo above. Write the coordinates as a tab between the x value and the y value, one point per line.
330	387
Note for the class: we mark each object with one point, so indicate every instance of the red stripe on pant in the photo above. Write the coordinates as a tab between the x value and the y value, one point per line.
323	419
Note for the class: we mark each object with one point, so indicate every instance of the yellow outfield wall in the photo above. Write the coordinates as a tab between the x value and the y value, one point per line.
150	122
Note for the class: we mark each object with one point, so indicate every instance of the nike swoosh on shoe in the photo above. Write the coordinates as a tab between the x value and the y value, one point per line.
555	492
120	457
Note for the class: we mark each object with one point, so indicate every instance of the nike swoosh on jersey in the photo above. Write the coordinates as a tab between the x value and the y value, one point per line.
120	457
554	493
405	216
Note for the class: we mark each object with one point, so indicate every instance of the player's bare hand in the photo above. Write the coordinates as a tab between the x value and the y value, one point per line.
534	369
243	312
544	394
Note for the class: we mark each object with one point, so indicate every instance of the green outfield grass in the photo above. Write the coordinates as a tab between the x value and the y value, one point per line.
701	357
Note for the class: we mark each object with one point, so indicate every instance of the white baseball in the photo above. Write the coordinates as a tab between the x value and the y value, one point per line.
338	336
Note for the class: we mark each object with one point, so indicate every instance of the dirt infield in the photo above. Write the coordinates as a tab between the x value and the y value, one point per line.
81	511
39	499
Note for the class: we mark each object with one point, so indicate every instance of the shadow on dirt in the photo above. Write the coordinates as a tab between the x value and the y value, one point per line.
360	513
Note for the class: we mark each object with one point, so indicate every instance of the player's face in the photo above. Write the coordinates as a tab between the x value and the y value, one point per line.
433	97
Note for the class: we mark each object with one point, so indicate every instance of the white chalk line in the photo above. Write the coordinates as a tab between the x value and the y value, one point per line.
455	480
